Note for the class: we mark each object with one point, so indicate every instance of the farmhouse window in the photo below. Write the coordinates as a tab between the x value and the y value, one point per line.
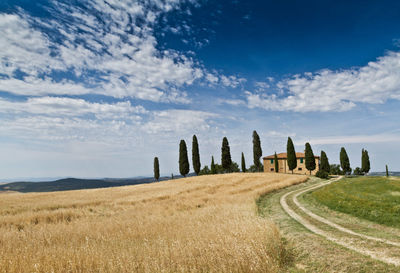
301	160
300	169
272	161
272	169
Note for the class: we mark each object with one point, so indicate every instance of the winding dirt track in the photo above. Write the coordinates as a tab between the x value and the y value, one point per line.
327	235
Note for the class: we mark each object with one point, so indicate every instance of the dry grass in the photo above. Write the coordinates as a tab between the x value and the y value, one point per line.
201	224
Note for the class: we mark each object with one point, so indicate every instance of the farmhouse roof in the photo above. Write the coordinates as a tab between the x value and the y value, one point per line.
284	156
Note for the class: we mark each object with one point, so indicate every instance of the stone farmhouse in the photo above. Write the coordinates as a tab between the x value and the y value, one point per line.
269	164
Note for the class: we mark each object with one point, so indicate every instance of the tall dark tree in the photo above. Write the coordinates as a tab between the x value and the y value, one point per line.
365	164
243	164
344	161
195	155
257	151
226	159
324	163
387	171
183	159
276	162
310	159
156	169
213	169
291	155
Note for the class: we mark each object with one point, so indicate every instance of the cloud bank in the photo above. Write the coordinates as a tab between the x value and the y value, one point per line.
329	90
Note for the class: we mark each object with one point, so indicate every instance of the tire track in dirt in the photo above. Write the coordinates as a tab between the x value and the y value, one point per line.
313	228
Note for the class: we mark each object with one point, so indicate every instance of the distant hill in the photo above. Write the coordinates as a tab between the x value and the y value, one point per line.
74	184
384	174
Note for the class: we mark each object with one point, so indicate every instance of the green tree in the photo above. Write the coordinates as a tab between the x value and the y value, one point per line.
344	161
156	169
324	163
365	163
335	169
243	164
387	171
234	168
291	155
226	159
257	151
276	162
213	169
310	159
183	159
196	156
358	171
205	171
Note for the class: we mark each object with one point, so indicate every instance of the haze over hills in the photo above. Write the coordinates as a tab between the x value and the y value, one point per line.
66	184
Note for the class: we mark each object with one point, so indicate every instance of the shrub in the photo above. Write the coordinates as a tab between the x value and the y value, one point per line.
322	174
358	171
205	171
335	170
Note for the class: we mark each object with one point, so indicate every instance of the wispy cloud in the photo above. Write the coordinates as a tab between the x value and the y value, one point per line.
329	90
179	122
109	47
377	138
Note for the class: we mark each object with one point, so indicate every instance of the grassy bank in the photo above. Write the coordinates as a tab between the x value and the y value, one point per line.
375	199
198	224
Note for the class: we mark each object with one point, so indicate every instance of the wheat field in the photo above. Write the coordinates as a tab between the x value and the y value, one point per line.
198	224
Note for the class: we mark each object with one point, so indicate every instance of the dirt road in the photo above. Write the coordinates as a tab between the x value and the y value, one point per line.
374	247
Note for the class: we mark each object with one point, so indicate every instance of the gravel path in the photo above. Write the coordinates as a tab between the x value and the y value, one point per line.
327	235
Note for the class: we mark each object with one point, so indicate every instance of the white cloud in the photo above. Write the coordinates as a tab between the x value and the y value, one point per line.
114	56
61	119
57	106
234	102
376	138
179	122
328	90
231	81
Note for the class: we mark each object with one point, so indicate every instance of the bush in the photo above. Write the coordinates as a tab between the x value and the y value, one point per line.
358	171
205	171
256	169
233	168
335	170
322	174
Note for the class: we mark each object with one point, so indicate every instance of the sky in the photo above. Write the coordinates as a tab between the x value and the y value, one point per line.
98	88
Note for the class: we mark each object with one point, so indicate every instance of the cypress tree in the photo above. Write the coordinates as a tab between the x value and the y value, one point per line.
226	160
387	171
368	167
257	152
243	164
156	169
183	159
276	163
310	159
365	164
291	155
344	161
213	169
325	163
195	155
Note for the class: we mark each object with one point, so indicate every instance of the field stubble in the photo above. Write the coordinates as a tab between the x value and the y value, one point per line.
206	224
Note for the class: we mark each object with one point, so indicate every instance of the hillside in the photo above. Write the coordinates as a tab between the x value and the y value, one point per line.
206	223
68	184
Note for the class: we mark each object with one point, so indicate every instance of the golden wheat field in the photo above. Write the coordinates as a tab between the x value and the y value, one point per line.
198	224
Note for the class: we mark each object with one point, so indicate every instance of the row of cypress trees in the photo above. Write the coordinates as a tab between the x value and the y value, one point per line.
324	164
227	163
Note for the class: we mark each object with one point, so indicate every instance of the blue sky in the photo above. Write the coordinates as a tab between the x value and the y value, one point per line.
98	88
